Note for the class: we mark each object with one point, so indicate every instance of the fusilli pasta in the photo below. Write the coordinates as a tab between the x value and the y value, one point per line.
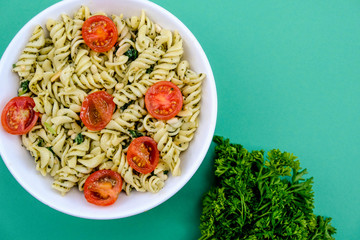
62	70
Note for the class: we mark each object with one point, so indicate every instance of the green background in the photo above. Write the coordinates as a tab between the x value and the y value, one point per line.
287	76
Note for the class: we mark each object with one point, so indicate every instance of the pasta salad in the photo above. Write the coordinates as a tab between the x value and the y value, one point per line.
105	94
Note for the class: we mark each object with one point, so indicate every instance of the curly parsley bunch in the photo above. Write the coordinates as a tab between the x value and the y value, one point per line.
255	198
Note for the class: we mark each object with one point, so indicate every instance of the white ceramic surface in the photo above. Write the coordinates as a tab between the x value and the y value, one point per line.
21	164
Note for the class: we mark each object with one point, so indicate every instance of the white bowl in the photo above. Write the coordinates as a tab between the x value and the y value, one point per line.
21	164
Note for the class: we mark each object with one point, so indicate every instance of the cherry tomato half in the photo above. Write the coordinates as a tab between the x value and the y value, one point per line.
163	100
97	110
103	187
18	116
99	33
143	155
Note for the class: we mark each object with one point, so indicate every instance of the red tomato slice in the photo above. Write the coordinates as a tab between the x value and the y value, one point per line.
18	116
163	100
99	33
143	155
103	187
97	110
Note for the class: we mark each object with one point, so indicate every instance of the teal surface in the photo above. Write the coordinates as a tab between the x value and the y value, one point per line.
287	76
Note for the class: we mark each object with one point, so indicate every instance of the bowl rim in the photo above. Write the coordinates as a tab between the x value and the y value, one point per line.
206	142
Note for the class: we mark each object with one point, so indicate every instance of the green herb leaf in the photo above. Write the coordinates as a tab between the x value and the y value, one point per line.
257	197
132	53
14	65
126	105
135	133
150	69
24	87
41	142
79	138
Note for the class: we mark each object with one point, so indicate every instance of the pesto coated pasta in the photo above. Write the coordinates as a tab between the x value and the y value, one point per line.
61	71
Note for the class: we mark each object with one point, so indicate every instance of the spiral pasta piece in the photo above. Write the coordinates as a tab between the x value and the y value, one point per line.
82	62
144	61
82	13
27	60
191	108
67	178
170	154
46	161
131	92
62	45
150	25
168	62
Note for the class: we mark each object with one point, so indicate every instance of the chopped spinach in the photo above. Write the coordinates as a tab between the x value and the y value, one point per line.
79	138
24	87
41	142
132	53
150	69
135	133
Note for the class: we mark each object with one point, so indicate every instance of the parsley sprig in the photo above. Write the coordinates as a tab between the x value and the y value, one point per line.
254	198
